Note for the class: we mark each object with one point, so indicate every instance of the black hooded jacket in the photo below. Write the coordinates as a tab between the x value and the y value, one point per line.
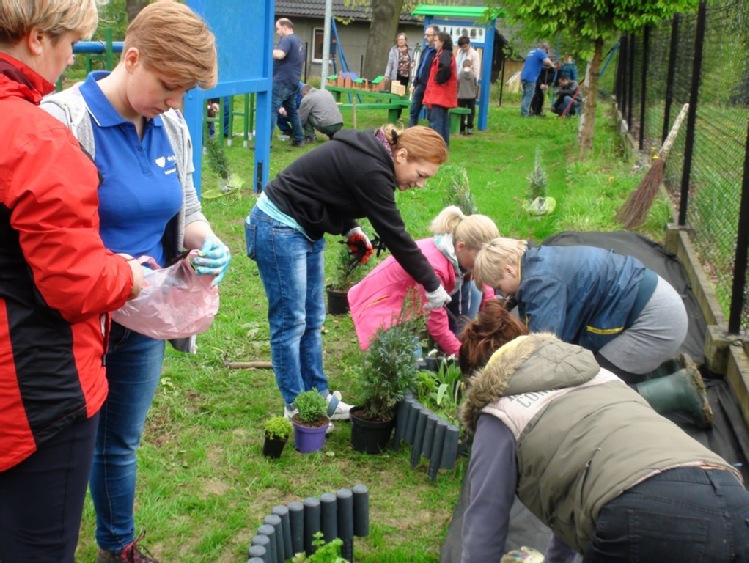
349	177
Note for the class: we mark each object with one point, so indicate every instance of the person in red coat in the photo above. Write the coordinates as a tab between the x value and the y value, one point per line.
57	284
441	93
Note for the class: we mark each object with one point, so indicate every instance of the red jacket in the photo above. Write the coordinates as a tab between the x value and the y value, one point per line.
57	280
442	87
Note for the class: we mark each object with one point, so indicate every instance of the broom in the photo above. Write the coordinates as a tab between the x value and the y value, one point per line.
632	214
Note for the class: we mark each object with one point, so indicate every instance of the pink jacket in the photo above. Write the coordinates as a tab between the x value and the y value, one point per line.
377	299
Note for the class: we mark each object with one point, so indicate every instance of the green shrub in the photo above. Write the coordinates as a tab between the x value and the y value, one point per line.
278	428
389	369
311	406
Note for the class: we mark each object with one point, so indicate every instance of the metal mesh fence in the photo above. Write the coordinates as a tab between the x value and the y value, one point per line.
705	169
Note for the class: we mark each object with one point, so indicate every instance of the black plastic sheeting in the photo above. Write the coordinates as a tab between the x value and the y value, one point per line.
729	436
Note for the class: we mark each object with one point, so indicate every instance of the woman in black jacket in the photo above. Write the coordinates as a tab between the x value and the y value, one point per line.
353	175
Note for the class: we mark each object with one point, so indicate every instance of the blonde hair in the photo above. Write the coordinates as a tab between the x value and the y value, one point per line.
488	268
473	230
422	143
55	17
175	41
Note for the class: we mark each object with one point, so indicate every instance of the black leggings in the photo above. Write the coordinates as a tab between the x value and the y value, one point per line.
627	377
41	498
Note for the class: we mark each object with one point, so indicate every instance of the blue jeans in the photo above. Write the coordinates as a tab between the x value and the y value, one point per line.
416	104
285	95
439	120
134	365
529	88
467	303
293	272
227	117
685	514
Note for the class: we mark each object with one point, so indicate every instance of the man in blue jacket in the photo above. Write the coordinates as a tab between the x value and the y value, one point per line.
421	76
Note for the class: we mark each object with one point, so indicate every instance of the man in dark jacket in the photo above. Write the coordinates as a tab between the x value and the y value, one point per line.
567	95
421	76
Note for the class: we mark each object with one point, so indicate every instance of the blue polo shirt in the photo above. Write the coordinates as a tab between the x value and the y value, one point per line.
140	191
534	62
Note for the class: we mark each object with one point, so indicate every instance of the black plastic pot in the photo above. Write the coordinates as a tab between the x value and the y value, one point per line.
273	447
369	436
337	301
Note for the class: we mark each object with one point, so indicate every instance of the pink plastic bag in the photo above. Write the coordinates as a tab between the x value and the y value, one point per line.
175	302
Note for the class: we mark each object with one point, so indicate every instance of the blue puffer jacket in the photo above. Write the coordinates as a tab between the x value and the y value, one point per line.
584	295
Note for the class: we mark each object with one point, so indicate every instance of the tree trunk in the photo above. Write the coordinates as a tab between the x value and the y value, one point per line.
382	29
591	101
134	7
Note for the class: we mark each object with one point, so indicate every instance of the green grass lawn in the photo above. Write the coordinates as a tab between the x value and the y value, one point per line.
204	487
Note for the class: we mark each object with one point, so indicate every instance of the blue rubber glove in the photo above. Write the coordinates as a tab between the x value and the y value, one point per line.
213	259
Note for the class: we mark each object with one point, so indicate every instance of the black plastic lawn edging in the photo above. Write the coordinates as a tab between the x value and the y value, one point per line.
428	434
291	528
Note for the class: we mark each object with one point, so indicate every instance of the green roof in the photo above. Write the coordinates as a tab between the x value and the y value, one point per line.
469	12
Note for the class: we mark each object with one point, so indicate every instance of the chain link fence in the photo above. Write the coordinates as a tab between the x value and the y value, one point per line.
698	59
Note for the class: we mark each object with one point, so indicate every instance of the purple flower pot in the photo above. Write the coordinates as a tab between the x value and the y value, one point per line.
308	439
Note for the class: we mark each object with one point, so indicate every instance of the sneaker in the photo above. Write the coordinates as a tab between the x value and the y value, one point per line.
289	411
132	553
337	409
469	131
330	429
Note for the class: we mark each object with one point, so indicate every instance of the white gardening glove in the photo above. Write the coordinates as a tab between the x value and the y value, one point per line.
437	298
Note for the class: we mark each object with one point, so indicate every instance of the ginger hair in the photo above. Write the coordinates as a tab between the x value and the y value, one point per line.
174	41
422	143
493	328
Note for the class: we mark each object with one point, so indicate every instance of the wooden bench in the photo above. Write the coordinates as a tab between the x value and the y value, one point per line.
393	109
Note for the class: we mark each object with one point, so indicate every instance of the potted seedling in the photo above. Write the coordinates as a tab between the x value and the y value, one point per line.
346	273
277	432
310	421
388	372
537	203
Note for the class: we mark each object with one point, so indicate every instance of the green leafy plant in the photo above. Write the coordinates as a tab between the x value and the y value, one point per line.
537	202
389	369
537	181
216	157
278	428
457	191
344	275
325	552
441	391
311	407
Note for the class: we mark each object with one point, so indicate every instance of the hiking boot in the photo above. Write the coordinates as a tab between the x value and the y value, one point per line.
297	143
337	409
132	553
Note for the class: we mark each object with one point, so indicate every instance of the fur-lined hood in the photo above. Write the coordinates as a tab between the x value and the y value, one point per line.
537	362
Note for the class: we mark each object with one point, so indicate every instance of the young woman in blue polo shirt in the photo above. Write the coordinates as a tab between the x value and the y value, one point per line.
128	121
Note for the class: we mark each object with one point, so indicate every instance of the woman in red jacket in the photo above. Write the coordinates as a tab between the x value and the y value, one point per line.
57	284
441	93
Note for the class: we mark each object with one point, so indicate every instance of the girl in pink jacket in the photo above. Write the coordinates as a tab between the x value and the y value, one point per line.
377	300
